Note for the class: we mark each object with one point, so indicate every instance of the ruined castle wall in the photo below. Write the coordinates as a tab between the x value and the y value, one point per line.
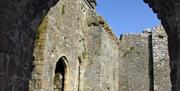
92	55
109	62
58	36
92	73
144	61
160	60
19	20
101	70
134	62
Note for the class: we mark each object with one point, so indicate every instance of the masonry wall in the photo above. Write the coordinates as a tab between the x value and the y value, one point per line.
161	60
101	68
134	62
59	35
144	61
18	24
92	74
109	62
91	54
73	30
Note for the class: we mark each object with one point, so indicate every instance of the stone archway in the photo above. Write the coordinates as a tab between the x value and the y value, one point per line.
19	20
61	75
17	36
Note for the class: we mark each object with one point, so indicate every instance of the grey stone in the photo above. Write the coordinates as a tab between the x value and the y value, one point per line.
93	59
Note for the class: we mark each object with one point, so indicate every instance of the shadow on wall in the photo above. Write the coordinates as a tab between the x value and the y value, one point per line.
151	68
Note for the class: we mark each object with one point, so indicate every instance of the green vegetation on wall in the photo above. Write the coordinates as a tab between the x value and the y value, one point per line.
63	9
42	28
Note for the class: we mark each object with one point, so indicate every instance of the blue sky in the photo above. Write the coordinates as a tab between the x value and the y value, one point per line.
127	16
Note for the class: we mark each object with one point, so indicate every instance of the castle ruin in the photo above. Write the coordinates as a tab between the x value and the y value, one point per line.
92	58
64	45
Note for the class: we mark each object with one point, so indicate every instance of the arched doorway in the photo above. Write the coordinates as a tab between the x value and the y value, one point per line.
61	75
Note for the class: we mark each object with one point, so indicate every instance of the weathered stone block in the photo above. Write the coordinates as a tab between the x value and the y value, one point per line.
3	83
5	43
36	84
12	67
3	63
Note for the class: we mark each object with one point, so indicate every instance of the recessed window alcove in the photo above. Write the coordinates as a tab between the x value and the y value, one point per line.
61	75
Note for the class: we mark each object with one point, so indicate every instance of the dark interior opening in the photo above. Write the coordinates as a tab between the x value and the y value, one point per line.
59	75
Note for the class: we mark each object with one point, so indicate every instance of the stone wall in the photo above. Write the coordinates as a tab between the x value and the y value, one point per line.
160	60
73	30
89	47
19	20
144	61
59	35
134	62
109	62
169	12
102	68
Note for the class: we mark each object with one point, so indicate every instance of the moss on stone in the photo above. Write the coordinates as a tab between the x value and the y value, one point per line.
85	54
42	28
63	9
128	52
40	37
